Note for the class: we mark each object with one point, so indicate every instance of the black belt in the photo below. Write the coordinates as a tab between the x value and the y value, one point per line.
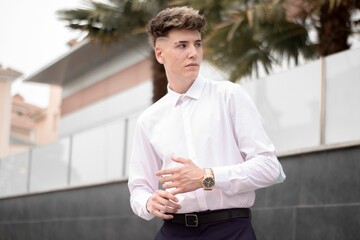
198	218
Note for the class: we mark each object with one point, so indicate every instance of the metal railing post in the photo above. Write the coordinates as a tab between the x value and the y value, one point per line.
29	171
322	100
70	160
125	147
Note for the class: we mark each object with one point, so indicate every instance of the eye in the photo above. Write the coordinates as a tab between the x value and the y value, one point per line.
182	45
198	44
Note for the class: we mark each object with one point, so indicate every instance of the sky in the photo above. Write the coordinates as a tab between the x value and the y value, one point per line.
31	38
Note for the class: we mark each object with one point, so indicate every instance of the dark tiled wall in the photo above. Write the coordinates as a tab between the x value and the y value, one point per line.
320	199
100	212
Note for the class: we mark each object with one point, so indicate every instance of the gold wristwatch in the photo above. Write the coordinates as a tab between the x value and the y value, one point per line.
208	181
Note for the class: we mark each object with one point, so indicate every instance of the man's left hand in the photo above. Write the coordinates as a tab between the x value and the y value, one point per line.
185	178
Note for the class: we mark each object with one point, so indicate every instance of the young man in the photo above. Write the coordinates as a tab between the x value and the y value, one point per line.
203	142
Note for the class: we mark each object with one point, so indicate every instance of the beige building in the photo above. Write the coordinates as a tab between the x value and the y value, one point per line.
7	75
23	125
100	84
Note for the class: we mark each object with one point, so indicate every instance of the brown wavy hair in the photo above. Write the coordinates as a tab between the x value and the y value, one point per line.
174	18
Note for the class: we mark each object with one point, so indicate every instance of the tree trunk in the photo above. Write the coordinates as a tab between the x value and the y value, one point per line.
159	80
335	28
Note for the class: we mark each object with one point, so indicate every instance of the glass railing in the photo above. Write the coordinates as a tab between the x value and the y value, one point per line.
97	154
14	175
311	105
297	114
93	156
49	166
290	104
342	99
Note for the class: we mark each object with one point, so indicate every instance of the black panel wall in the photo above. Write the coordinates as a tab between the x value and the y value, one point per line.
99	212
320	199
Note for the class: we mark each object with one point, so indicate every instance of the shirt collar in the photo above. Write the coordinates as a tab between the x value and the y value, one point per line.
193	92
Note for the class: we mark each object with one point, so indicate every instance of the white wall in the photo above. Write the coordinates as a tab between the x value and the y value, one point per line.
117	106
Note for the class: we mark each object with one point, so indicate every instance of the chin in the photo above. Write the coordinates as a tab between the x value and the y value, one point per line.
192	77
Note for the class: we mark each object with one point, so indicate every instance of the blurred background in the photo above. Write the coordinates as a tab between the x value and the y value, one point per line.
75	75
46	39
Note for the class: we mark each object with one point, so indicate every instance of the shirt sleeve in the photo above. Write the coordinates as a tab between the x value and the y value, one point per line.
142	182
259	167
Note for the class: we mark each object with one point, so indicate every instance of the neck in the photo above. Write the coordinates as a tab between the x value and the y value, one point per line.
180	86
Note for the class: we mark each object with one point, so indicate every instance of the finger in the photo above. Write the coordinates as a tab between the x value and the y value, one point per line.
163	215
162	197
161	207
169	207
172	207
168	185
168	200
168	171
168	196
167	178
179	160
157	205
178	190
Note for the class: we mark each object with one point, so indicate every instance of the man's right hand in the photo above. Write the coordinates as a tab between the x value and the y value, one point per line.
161	203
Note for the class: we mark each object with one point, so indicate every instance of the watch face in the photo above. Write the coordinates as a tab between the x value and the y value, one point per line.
208	182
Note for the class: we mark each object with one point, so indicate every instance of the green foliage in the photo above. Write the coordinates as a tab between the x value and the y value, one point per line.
249	35
109	21
243	36
246	36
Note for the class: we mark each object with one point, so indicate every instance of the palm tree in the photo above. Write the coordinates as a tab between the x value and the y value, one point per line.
257	34
332	20
243	36
336	26
114	21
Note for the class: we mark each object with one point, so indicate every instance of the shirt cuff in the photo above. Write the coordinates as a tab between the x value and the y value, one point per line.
140	207
221	175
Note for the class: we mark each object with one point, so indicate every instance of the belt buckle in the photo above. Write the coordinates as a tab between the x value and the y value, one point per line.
191	220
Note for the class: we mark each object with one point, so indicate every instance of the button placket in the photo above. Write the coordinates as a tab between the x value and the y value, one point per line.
187	126
185	106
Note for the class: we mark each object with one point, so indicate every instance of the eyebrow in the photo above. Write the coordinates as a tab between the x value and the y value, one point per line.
180	42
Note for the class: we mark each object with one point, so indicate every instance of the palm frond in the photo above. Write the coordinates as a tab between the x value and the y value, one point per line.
109	21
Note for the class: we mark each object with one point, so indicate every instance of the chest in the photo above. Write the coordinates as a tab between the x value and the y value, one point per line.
190	126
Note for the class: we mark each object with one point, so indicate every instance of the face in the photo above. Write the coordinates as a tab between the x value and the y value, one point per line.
181	52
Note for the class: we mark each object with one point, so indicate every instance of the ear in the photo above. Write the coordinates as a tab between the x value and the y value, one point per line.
159	55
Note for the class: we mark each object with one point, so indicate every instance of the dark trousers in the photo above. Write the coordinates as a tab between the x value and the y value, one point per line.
234	229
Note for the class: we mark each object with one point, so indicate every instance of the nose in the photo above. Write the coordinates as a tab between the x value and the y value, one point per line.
193	52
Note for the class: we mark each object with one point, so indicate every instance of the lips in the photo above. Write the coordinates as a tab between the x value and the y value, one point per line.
192	65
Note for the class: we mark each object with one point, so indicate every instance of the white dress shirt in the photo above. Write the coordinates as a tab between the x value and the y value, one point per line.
216	125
